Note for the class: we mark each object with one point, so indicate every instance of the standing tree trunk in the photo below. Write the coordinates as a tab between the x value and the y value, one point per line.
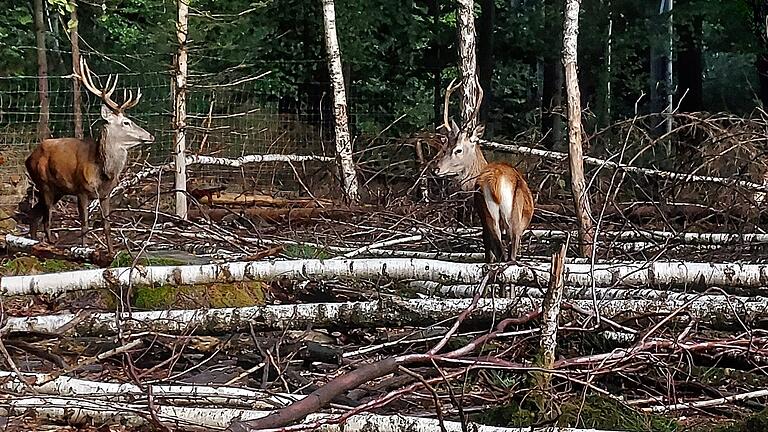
485	62
760	25
661	63
43	127
603	103
669	45
180	110
343	142
552	78
468	65
578	185
690	67
77	108
437	63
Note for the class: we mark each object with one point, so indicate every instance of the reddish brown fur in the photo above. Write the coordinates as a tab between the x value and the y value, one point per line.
85	168
491	178
68	166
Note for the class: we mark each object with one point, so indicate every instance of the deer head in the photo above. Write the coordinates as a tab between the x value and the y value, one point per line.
119	128
460	156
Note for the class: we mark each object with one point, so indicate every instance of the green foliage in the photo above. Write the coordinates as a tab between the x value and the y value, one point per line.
124	259
593	412
302	251
393	51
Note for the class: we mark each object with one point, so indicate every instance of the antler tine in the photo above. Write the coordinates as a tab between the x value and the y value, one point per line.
131	102
451	88
479	96
111	87
86	76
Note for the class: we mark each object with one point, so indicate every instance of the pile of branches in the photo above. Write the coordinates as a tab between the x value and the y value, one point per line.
387	343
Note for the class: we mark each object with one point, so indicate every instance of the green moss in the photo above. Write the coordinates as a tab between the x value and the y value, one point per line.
236	295
189	296
124	259
56	266
593	412
155	297
29	265
305	251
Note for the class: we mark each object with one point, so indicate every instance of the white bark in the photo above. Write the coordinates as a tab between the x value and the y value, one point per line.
688	178
343	141
180	110
470	104
126	392
25	244
718	311
88	412
575	152
653	274
436	289
550	313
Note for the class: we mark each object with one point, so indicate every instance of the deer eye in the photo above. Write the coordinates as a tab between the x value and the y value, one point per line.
126	123
458	151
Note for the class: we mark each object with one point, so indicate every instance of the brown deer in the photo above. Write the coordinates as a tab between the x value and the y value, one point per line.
87	168
502	197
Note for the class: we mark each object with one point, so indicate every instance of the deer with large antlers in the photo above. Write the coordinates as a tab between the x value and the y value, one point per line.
501	195
87	168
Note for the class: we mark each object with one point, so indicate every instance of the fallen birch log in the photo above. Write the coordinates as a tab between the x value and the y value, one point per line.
717	311
126	392
687	178
654	274
46	251
436	289
86	412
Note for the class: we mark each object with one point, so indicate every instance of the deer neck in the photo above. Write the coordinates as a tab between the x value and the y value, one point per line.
112	156
477	165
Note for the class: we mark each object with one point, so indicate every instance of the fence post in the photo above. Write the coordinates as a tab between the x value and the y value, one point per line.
180	110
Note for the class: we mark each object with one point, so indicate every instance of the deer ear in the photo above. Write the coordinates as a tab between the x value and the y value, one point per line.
106	112
479	131
454	128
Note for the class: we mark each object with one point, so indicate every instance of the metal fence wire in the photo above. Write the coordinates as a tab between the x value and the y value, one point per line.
224	119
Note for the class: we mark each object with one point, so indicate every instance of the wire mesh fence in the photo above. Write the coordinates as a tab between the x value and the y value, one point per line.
229	115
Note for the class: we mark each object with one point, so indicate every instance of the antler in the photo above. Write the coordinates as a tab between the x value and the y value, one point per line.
451	88
86	76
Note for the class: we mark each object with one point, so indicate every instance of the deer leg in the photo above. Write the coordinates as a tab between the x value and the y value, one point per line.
104	202
36	215
514	247
82	207
49	200
485	220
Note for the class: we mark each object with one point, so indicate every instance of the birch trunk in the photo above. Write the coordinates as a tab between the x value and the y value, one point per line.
43	124
470	104
77	97
126	392
719	312
628	274
578	185
688	178
343	141
89	412
180	109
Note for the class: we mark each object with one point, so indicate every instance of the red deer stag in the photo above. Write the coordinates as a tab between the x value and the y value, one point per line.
87	168
502	197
